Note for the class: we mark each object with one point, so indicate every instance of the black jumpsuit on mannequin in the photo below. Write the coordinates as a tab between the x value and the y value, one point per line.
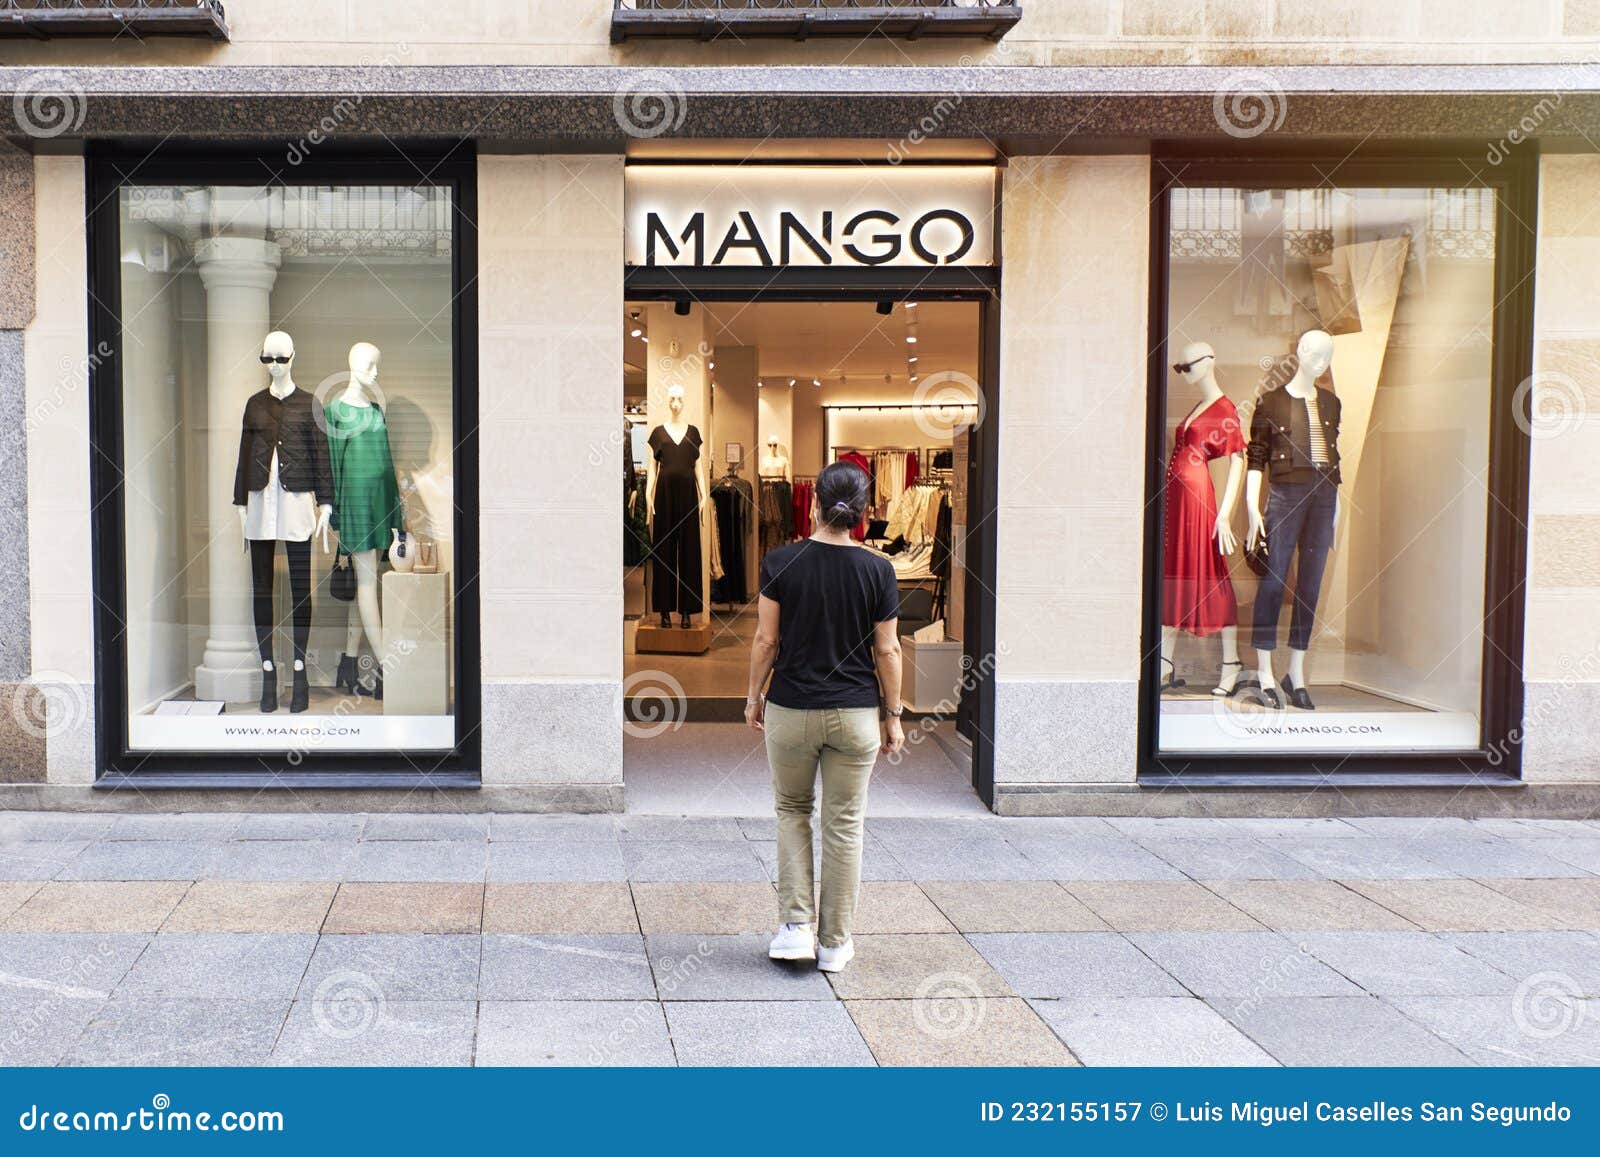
675	547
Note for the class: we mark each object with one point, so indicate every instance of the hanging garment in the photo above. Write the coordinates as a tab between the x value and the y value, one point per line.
777	513
1197	594
913	468
635	522
804	492
943	537
675	545
732	498
856	458
366	502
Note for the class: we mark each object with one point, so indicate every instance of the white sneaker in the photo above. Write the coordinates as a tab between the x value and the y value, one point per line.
834	959
793	942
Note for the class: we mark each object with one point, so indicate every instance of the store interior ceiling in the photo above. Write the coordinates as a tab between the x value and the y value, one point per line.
816	342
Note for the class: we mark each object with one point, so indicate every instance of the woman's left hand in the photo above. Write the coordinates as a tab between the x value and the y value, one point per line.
755	713
894	736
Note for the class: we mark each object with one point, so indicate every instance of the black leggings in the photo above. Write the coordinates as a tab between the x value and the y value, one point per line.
263	558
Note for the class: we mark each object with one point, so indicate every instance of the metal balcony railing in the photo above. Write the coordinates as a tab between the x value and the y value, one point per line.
800	19
42	19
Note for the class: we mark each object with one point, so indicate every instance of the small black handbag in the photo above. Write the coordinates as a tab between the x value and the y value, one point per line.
342	578
1255	557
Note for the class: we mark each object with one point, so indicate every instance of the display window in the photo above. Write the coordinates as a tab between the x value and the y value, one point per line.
1329	402
284	517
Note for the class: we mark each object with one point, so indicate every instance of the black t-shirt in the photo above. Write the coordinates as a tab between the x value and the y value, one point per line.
830	599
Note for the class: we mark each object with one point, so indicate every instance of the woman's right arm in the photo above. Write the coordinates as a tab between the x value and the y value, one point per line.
886	656
763	654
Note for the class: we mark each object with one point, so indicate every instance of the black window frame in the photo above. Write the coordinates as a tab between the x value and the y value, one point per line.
1498	757
109	167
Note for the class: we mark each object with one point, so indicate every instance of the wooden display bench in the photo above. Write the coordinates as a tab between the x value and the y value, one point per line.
654	639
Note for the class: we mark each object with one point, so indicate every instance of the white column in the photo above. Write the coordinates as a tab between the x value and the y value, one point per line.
238	274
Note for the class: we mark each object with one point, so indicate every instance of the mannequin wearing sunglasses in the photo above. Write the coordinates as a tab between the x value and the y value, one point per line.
284	491
1197	593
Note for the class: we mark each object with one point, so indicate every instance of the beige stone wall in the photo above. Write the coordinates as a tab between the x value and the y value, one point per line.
1562	650
1061	32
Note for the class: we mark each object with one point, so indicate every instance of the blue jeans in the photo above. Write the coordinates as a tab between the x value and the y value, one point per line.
1299	518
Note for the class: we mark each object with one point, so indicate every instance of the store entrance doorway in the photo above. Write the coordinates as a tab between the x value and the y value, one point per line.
755	393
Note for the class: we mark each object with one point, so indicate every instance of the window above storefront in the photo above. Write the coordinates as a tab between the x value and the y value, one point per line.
43	19
801	19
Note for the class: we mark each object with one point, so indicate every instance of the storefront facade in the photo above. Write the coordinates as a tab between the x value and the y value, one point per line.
1164	257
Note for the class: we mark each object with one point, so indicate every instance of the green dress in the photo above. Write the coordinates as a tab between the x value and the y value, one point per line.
366	499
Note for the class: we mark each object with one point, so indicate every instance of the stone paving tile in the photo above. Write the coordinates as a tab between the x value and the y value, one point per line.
468	826
52	827
765	1032
196	827
694	967
1452	905
1090	858
1149	1030
1243	964
168	1031
1011	906
897	830
886	906
1573	901
521	828
1144	828
759	827
284	861
1495	1031
334	826
1565	962
559	907
1238	858
1417	827
1523	859
370	907
219	965
691	860
244	906
1073	964
637	827
97	906
1406	964
40	1025
1578	852
997	1031
38	860
14	894
1159	906
580	966
556	861
987	858
143	860
1338	1030
726	907
537	1033
1007	826
1360	858
1307	906
392	967
68	965
1521	827
877	862
397	1032
1278	827
452	861
920	966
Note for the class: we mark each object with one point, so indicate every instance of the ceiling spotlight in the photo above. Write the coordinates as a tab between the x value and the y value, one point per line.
912	360
911	339
791	381
645	340
636	333
913	377
711	365
911	305
681	307
885	307
817	382
760	385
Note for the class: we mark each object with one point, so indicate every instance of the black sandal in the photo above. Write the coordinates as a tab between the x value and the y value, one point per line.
1240	682
1172	682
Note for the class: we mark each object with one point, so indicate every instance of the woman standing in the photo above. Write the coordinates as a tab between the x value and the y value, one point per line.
827	634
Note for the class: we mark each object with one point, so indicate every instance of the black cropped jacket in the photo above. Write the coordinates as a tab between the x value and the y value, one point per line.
289	426
1280	436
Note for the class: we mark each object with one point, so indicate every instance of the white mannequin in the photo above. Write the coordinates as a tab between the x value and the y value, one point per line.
1313	355
773	463
677	428
278	344
364	612
1202	361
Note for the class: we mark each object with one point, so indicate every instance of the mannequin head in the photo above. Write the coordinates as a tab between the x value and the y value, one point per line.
675	401
278	344
364	364
1198	361
1314	353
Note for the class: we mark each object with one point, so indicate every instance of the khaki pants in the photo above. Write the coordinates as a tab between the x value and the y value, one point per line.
844	744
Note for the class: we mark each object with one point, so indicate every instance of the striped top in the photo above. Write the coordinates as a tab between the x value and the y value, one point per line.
1319	441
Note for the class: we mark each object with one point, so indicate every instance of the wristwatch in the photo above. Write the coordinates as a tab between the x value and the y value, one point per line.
897	713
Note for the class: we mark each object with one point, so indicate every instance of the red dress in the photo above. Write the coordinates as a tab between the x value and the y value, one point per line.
1197	594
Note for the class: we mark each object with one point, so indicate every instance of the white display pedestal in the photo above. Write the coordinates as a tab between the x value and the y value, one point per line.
416	668
931	675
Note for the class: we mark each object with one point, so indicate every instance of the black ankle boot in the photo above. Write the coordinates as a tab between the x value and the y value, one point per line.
666	619
377	688
346	678
685	622
269	691
301	698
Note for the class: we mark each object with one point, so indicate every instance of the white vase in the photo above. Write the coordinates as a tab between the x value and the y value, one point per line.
402	552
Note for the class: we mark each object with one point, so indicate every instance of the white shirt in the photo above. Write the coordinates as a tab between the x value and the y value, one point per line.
273	513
